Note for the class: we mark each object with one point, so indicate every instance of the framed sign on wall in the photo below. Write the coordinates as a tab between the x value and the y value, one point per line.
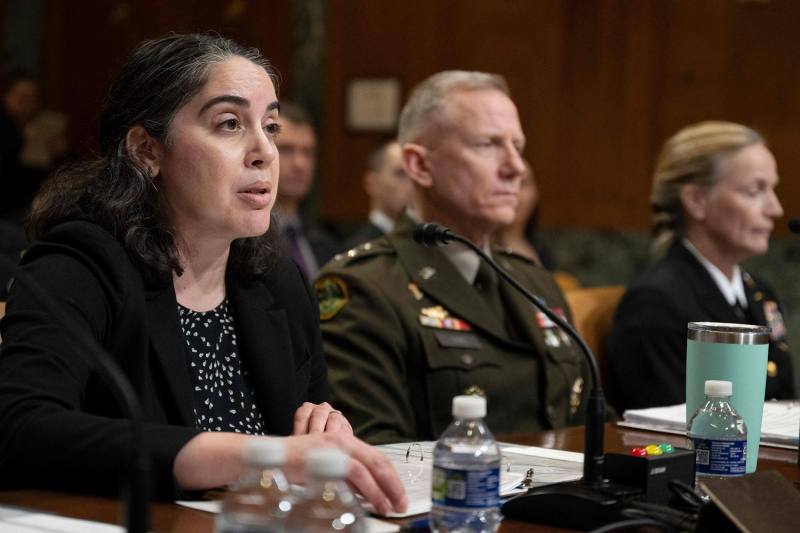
373	104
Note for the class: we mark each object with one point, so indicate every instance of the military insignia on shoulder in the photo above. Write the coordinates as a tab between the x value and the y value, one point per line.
332	296
774	320
474	390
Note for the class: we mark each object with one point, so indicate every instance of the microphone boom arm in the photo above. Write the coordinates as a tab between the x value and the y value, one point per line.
595	407
594	458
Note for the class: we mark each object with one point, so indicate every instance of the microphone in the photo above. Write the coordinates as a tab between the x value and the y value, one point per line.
794	225
135	494
592	500
432	234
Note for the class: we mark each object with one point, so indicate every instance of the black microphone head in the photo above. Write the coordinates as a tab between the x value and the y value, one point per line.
794	225
431	234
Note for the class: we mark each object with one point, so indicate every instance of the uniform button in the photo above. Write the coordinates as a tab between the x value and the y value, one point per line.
474	390
466	359
772	369
782	346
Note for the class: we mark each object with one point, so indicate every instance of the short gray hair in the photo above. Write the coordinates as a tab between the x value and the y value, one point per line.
428	98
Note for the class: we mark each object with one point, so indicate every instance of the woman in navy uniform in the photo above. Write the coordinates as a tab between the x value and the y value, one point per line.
714	206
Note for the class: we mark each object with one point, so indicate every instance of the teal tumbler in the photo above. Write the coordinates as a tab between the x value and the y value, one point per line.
735	353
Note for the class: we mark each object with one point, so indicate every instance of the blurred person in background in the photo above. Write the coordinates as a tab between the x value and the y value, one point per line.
389	189
309	245
32	142
519	236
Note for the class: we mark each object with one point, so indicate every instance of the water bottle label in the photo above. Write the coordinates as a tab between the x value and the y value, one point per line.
719	457
473	489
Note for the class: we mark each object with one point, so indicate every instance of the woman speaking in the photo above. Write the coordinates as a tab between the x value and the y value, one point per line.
162	250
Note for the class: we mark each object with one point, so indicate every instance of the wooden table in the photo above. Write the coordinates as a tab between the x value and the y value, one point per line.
171	518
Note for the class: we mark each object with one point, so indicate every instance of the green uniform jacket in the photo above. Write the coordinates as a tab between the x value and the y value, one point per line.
404	332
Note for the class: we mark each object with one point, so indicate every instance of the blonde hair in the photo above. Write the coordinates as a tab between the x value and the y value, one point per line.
428	98
692	156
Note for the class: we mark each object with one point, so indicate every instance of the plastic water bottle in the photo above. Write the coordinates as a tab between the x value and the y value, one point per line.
328	503
260	501
466	472
718	434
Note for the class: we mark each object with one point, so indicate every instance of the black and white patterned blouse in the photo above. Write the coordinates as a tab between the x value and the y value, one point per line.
223	396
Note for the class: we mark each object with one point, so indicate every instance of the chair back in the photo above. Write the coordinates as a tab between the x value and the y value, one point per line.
593	313
566	281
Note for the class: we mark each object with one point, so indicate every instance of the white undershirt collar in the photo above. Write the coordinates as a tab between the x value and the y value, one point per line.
465	260
381	220
732	289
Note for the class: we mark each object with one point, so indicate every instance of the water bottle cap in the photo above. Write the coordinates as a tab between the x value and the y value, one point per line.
469	406
718	388
328	463
264	452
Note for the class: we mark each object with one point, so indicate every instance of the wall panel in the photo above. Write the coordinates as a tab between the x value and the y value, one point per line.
599	86
86	42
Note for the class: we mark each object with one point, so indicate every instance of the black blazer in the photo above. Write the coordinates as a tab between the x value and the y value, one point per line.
647	345
60	426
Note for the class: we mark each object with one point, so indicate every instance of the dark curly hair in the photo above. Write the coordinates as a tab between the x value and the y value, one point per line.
114	190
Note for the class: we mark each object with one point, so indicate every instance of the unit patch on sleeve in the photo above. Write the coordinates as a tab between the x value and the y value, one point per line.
332	296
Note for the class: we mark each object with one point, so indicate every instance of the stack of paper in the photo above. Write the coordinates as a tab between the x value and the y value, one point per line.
780	424
14	520
549	466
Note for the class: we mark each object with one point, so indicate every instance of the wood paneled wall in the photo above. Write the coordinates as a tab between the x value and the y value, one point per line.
599	85
86	43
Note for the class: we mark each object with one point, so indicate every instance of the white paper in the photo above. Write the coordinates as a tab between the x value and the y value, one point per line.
13	520
212	506
780	423
550	466
545	453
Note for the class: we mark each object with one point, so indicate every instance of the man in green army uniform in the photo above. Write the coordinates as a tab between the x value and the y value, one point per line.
406	327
